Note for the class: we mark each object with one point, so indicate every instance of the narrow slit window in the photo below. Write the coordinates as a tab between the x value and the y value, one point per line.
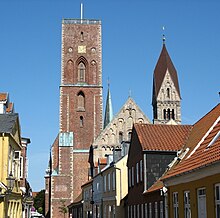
81	72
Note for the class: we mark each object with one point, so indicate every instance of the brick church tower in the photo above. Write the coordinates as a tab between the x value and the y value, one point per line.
80	109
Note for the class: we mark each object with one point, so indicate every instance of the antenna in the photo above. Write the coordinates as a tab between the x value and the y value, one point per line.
81	11
164	39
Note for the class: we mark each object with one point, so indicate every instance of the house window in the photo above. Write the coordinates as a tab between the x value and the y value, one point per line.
175	205
129	177
150	210
141	172
109	182
187	210
142	211
21	167
81	72
135	211
113	180
137	173
132	177
217	200
156	209
161	209
145	210
201	194
138	212
81	101
105	183
128	211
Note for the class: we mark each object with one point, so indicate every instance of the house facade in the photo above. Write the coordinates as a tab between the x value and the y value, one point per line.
194	182
10	167
152	149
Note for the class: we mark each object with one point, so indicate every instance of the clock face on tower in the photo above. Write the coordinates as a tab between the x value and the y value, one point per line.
81	49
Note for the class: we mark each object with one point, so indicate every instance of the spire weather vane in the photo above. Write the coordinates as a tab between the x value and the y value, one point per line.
164	39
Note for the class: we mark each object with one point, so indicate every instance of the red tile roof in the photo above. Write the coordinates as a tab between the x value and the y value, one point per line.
155	187
164	63
162	137
200	155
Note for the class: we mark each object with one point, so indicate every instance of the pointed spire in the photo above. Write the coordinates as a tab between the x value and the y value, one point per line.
108	108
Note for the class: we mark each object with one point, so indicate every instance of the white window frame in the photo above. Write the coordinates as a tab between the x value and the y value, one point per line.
199	196
175	205
132	177
187	209
161	209
217	200
150	210
113	181
109	182
21	164
155	209
142	210
141	170
137	172
129	177
104	183
145	210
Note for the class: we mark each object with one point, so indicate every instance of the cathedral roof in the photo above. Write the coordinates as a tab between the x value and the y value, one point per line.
164	63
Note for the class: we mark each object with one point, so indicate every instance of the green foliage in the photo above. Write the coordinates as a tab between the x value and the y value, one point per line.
39	202
63	208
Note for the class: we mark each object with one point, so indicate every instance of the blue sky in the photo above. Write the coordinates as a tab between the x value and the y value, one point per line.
30	59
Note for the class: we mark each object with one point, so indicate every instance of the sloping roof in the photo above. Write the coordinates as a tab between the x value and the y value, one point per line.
155	187
162	137
7	122
164	63
200	154
3	96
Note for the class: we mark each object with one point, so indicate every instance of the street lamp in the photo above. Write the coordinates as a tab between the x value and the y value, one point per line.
10	182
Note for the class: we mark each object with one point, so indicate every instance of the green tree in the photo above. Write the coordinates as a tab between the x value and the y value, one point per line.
39	202
63	209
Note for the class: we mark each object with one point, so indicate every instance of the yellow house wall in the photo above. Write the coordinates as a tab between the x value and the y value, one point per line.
15	198
4	145
207	182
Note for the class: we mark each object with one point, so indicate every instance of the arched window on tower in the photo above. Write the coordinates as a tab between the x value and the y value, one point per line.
81	101
168	114
81	72
168	92
173	114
